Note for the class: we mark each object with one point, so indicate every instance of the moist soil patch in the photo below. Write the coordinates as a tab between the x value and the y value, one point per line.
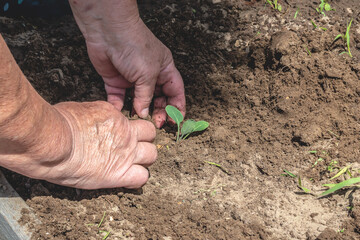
273	88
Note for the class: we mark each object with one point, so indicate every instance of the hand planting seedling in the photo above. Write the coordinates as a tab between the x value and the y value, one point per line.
188	126
346	38
274	4
324	5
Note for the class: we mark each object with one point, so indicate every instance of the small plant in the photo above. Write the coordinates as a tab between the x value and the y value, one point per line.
324	5
274	4
335	187
107	233
296	13
188	126
346	38
316	26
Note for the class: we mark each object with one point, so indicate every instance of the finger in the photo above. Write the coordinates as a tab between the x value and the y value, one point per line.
159	113
117	99
145	130
173	87
143	94
135	177
145	154
115	88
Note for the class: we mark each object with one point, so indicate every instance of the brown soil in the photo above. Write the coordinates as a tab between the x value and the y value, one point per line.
272	87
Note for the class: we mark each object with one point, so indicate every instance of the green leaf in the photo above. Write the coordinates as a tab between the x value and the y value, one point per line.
313	23
188	127
338	36
296	13
338	186
327	7
302	188
279	7
342	171
174	113
200	126
290	174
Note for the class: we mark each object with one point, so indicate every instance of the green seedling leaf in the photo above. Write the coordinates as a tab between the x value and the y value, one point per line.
313	152
341	172
338	186
313	23
270	2
329	185
348	37
219	166
290	174
323	28
102	220
175	115
279	7
296	13
187	127
301	187
327	7
107	233
200	126
338	36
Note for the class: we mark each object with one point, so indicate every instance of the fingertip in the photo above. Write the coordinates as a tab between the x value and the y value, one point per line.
135	177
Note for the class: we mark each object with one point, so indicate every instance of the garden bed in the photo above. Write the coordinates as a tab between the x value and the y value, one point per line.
274	90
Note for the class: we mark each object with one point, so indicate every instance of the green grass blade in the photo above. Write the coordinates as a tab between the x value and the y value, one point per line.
341	172
301	186
296	13
290	174
338	36
313	23
102	220
338	186
107	233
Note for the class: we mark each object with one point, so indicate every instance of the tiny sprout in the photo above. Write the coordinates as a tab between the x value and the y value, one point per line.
324	5
274	4
188	126
346	38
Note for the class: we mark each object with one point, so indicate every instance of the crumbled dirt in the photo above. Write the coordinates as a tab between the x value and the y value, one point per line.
272	88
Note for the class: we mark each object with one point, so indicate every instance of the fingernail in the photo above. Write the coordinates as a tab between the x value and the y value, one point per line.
144	113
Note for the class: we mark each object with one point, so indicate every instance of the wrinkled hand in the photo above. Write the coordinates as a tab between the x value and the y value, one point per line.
108	150
134	57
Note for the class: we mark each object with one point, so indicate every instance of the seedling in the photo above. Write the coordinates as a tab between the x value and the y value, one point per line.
188	126
324	5
346	38
335	187
332	166
107	233
274	4
296	13
289	174
316	26
341	172
302	187
219	166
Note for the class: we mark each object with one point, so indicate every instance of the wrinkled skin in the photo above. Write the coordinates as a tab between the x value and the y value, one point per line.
127	54
108	149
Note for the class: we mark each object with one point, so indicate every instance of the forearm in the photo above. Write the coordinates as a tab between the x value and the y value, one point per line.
95	17
32	132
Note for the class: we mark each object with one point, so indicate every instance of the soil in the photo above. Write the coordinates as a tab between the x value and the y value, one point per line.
272	88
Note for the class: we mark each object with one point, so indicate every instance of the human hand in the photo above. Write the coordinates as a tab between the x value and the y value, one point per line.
108	150
126	54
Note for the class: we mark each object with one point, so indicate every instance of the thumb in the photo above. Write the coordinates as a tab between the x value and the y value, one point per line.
143	94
